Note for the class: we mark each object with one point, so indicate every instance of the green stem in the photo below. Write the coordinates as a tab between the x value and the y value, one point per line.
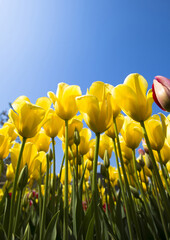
43	216
160	210
163	172
156	173
148	211
94	186
54	177
123	193
77	170
65	222
11	218
18	210
132	208
39	194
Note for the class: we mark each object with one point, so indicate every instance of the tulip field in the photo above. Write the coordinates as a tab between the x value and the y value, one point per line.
86	198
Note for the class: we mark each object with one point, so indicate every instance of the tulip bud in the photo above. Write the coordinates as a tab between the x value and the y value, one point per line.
50	155
138	166
148	161
99	182
23	177
76	137
161	92
106	159
103	171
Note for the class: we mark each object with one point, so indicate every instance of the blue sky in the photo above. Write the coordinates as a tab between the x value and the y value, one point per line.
78	42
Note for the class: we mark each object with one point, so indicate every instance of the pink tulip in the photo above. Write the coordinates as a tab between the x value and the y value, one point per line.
161	92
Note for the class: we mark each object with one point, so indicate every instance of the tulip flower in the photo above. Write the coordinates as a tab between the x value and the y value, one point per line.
27	118
41	140
132	99
96	107
53	124
161	92
85	135
110	132
64	100
156	133
132	133
106	143
5	144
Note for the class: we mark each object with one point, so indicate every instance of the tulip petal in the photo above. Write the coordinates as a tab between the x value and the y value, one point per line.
44	102
97	89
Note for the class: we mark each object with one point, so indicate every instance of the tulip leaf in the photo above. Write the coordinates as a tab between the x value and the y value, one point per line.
27	233
6	212
90	231
2	233
51	231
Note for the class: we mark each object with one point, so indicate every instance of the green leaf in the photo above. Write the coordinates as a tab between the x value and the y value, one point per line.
6	212
90	231
2	233
51	231
27	233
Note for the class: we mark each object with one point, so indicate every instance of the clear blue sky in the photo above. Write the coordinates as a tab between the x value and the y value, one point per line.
78	42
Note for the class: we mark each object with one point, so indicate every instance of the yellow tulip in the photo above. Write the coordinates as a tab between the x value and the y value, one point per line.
64	100
5	144
40	159
44	102
27	118
131	97
85	135
126	151
90	154
10	172
132	133
72	125
29	155
165	153
41	140
10	127
96	107
63	175
110	132
53	124
155	132
106	143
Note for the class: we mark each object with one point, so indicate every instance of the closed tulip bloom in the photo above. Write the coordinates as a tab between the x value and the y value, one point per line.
110	132
10	172
96	107
90	154
63	175
132	133
10	127
27	118
132	99
41	140
40	159
53	124
64	100
106	143
85	135
126	151
44	102
155	132
29	155
161	92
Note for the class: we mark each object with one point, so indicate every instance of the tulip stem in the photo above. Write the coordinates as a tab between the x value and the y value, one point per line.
43	216
132	208
163	172
94	187
39	194
77	169
65	222
123	193
18	210
11	218
156	172
148	211
54	178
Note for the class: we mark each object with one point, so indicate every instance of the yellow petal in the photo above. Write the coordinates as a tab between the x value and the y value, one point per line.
44	102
